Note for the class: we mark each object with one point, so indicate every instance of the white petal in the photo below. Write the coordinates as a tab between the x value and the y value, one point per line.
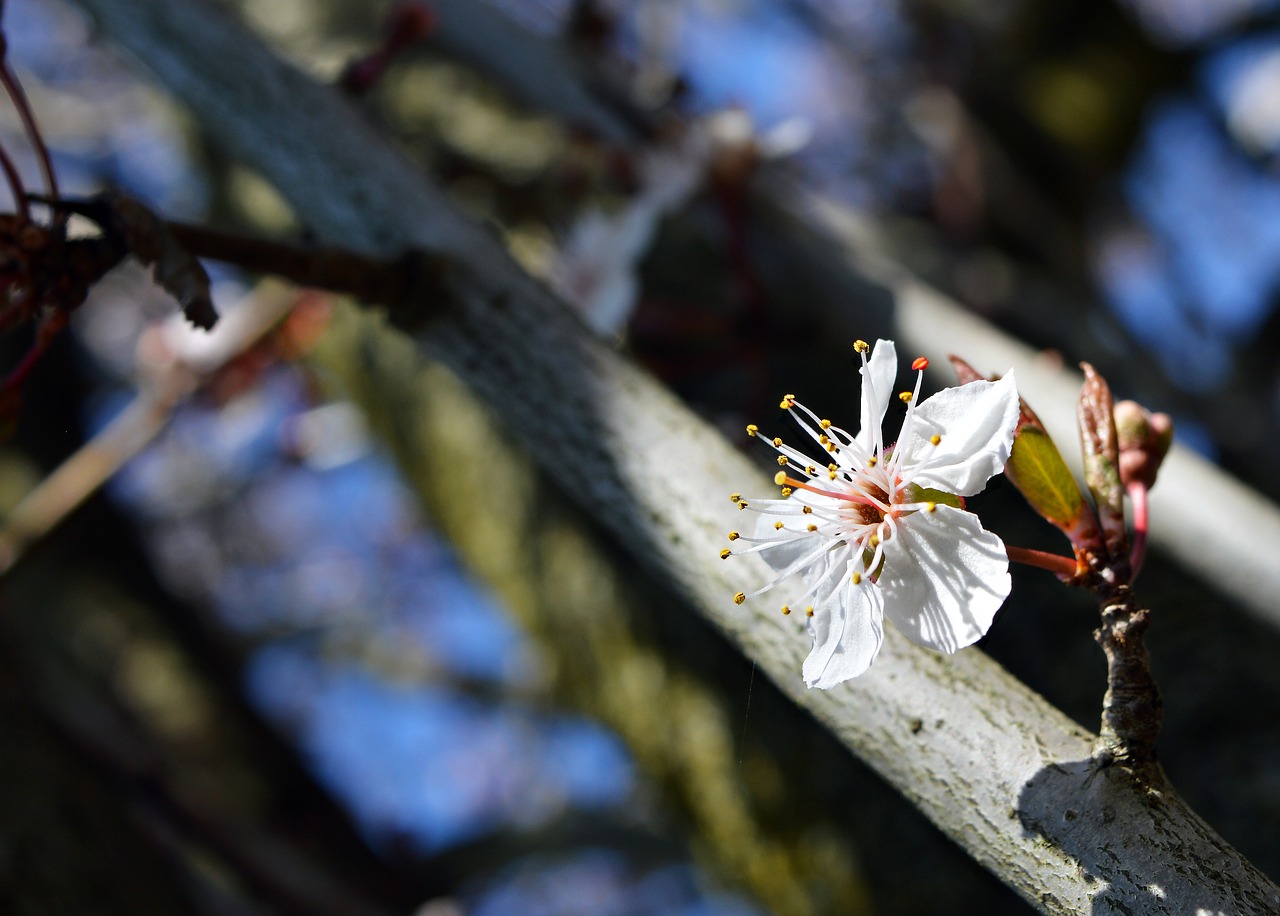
877	389
975	423
847	628
944	578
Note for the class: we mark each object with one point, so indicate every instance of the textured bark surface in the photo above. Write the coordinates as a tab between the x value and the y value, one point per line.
1001	772
1131	709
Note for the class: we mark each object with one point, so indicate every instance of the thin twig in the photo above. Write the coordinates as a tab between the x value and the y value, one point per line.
14	88
94	463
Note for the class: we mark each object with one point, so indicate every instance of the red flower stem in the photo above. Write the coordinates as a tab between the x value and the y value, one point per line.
1137	553
1055	563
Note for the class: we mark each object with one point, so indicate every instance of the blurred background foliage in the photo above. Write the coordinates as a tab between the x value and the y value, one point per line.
329	645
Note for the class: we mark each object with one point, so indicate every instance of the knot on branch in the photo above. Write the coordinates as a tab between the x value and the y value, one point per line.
1131	709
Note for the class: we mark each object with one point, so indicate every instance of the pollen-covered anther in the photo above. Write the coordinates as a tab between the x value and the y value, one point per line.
930	507
935	439
785	610
831	475
739	598
871	462
808	612
856	578
735	497
824	439
777	526
810	470
752	429
904	397
812	527
861	346
733	535
782	460
807	510
777	441
726	553
825	424
742	504
919	364
786	491
780	478
788	401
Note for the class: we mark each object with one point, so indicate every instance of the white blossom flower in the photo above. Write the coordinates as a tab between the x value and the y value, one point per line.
881	530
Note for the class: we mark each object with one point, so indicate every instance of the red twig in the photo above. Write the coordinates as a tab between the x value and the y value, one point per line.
15	184
14	88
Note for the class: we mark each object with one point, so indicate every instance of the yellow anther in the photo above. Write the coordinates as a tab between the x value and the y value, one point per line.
788	400
833	467
777	526
861	346
810	470
824	439
831	446
935	439
742	504
780	478
904	397
735	497
857	578
871	462
752	429
782	460
739	598
813	527
777	441
786	610
808	612
873	541
831	475
726	553
808	510
786	491
930	507
825	424
733	535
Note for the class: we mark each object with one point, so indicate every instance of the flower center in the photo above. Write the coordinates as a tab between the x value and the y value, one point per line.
869	513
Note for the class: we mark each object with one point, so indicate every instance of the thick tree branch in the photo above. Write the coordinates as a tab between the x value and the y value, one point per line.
1004	774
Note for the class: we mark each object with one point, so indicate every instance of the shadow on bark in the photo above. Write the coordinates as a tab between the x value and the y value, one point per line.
1072	805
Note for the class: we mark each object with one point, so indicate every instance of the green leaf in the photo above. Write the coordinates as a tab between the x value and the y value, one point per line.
930	495
1036	468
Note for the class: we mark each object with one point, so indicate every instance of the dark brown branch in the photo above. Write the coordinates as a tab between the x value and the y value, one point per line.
1131	709
414	277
